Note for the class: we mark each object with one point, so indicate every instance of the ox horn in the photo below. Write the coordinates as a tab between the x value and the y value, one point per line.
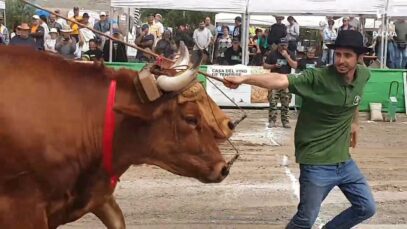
178	82
183	59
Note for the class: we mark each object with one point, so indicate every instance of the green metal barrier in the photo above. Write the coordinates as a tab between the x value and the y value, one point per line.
377	89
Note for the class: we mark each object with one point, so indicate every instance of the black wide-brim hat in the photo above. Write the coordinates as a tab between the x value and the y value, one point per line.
350	39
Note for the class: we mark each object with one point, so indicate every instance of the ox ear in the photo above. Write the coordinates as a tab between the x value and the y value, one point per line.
137	112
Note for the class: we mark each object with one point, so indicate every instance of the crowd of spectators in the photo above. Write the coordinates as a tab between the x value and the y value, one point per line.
55	35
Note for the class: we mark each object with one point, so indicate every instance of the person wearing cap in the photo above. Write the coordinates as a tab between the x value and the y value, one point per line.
144	40
23	37
102	25
345	25
66	44
51	41
237	31
277	31
38	32
233	55
280	61
4	34
119	53
85	34
44	24
75	27
158	21
327	127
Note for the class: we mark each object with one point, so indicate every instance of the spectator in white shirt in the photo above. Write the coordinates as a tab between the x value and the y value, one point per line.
61	21
44	24
158	21
51	40
330	35
4	34
202	38
85	34
293	34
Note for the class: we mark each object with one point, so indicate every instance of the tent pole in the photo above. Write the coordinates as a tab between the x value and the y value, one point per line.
111	33
386	42
243	42
383	33
247	39
128	26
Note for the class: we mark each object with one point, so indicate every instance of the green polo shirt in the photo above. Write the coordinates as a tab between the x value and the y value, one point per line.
322	134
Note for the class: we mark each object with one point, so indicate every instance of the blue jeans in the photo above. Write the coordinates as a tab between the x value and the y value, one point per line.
317	181
403	57
328	56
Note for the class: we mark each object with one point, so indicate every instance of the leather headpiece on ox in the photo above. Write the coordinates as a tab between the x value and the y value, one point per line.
184	82
181	129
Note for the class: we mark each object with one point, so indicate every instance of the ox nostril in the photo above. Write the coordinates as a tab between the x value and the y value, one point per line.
231	125
224	171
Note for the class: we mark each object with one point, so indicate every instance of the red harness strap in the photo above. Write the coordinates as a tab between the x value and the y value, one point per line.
108	133
159	60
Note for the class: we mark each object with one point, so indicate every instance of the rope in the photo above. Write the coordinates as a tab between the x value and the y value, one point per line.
237	155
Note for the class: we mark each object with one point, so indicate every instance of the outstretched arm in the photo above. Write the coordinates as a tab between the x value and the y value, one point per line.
267	80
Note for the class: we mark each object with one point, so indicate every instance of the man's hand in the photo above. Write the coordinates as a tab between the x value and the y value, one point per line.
284	53
354	135
233	82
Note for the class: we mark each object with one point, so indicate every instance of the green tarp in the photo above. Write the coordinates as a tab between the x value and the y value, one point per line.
376	91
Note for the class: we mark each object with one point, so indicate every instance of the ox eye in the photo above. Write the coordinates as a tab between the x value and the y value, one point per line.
192	120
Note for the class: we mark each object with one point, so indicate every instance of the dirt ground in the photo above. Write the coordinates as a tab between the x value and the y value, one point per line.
262	188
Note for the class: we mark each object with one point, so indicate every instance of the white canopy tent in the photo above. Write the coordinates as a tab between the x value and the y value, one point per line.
267	20
229	19
229	6
397	8
312	7
267	7
250	8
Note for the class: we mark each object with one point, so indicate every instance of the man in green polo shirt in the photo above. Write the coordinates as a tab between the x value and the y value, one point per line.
327	126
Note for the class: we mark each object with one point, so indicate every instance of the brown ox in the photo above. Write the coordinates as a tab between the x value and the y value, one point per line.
51	127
